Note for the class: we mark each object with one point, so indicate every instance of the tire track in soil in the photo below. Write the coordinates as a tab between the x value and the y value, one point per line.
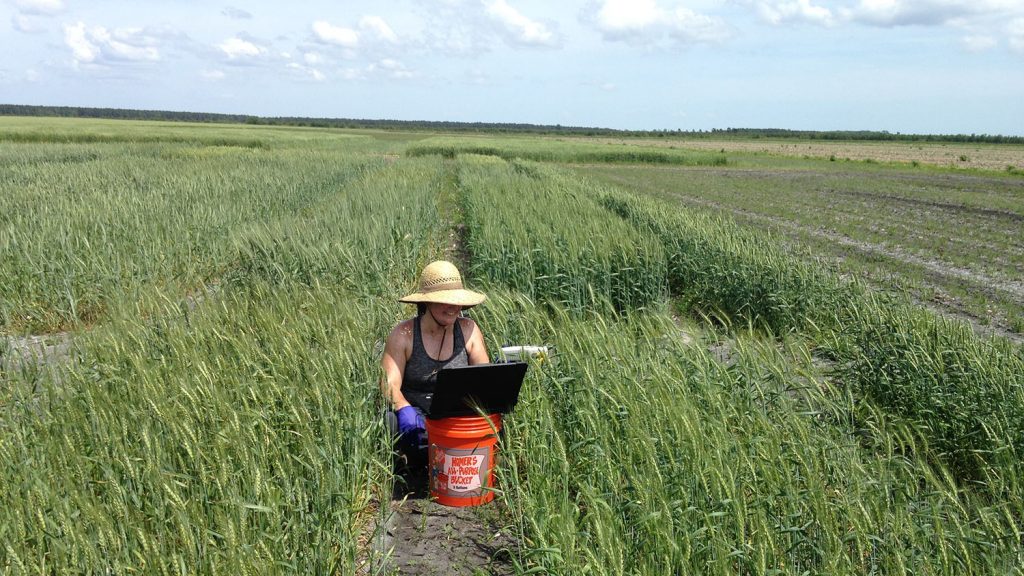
944	206
897	218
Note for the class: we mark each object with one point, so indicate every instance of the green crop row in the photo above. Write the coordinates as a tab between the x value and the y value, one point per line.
96	226
638	451
966	393
69	133
90	138
723	270
241	439
540	232
235	432
547	150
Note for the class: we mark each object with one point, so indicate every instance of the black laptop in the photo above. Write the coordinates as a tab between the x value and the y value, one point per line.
493	388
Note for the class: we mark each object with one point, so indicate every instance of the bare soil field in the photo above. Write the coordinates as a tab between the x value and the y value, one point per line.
949	154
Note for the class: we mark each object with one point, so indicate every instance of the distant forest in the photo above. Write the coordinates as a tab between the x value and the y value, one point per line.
493	127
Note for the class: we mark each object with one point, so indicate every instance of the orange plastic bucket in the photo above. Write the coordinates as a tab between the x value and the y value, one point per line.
461	459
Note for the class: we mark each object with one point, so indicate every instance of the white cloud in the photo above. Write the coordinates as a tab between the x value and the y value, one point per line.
688	26
518	28
27	24
386	68
331	34
379	28
212	74
646	22
624	17
977	43
1015	32
236	48
98	45
306	70
39	6
391	69
888	13
795	11
124	44
313	58
82	49
236	13
30	13
980	22
372	31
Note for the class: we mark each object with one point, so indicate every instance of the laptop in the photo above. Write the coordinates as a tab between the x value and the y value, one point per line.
494	388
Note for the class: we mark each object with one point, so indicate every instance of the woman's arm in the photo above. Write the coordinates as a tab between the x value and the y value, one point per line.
476	349
396	352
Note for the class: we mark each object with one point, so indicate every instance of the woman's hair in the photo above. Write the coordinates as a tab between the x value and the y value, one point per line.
421	309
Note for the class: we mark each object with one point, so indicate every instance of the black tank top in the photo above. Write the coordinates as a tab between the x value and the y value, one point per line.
420	375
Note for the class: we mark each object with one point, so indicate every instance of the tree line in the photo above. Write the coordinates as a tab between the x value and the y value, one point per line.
492	127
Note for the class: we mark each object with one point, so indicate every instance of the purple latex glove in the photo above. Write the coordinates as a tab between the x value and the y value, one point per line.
409	421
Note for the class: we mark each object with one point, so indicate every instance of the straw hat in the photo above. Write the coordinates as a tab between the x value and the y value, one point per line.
441	282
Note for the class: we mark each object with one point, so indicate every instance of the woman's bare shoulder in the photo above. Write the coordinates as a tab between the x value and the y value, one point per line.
402	332
468	326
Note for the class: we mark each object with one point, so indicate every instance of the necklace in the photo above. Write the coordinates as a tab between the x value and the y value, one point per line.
440	348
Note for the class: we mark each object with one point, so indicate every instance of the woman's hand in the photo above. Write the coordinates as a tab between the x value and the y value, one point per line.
409	420
412	429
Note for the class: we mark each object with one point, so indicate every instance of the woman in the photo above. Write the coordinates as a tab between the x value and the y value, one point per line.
438	337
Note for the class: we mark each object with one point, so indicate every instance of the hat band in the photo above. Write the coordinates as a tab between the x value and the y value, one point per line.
452	285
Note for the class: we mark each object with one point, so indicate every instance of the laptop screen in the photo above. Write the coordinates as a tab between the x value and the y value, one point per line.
493	388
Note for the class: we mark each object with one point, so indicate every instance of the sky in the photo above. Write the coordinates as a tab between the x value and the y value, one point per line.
907	66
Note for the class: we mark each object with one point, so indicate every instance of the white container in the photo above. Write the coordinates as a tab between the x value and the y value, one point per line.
524	353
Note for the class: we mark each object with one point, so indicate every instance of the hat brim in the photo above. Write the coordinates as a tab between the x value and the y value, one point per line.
457	297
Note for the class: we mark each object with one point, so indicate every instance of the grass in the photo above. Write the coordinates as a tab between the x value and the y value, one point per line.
220	409
199	445
964	391
942	156
86	228
639	453
235	430
516	215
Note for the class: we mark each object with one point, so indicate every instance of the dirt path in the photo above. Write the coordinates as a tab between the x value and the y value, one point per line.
421	537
